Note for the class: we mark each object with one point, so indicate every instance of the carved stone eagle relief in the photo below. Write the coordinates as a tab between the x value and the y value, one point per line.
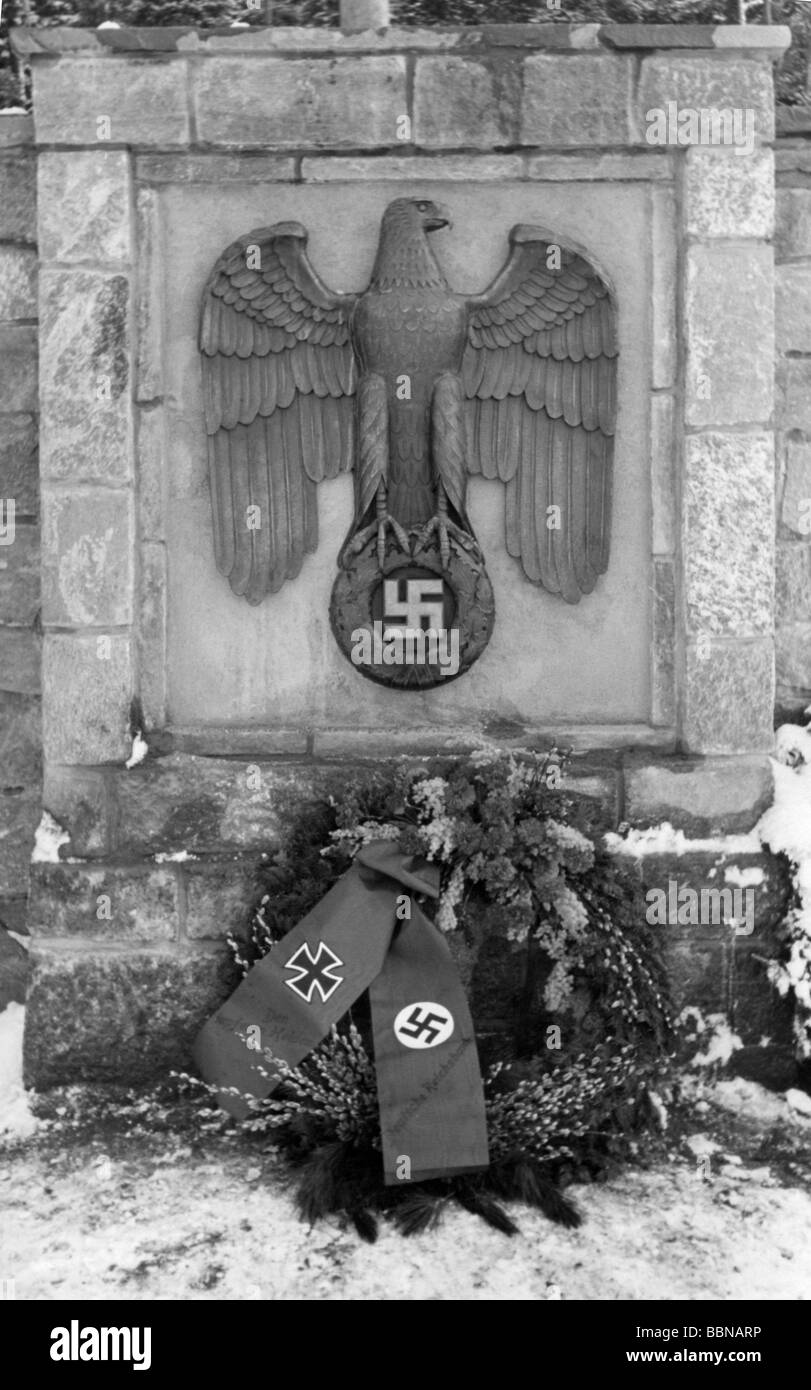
414	387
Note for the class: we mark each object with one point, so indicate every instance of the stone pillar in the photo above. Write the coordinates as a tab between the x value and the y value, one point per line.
726	611
86	453
20	736
793	427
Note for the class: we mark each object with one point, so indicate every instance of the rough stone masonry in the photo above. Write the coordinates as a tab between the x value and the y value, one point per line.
150	151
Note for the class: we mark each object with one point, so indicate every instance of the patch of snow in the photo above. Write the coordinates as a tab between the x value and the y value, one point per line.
799	1101
743	878
701	1145
47	840
664	839
786	828
754	1102
108	24
180	856
140	748
720	1046
792	744
16	1120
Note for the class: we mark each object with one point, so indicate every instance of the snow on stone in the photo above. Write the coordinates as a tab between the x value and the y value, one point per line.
786	827
720	1045
799	1100
743	878
47	840
664	839
180	856
16	1120
140	748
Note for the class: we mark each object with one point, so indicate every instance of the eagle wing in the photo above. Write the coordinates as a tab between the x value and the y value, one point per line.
539	376
278	378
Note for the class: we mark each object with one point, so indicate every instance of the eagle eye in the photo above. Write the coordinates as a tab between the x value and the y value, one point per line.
423	207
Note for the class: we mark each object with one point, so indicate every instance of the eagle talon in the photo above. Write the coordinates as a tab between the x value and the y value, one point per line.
378	528
445	528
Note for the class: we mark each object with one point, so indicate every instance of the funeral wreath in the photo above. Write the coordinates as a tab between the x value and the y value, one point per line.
537	915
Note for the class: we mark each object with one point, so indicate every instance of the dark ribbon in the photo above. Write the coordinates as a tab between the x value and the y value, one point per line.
430	1094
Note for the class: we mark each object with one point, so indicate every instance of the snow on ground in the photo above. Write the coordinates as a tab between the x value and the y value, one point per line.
15	1116
150	1217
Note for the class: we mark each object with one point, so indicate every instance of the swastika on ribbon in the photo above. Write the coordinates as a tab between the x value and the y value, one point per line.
314	972
423	1024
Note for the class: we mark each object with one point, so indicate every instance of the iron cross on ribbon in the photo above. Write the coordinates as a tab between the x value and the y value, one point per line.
429	1083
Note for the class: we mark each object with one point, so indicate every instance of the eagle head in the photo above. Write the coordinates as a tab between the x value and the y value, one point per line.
411	214
403	256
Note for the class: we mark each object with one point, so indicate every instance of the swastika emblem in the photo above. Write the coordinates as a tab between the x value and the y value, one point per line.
423	1024
315	972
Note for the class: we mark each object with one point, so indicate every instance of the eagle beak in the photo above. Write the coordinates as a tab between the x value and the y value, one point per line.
442	219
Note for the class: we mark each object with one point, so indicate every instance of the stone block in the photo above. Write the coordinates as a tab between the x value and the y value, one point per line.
729	697
19	576
344	103
20	813
793	307
18	369
214	168
183	802
77	800
706	83
729	195
663	475
793	657
795	503
87	558
18	180
757	1010
13	909
358	16
584	100
93	100
664	287
701	796
87	687
84	200
631	167
728	521
18	282
20	740
218	898
20	660
729	895
100	903
698	973
793	583
149	368
663	651
793	394
465	101
19	473
792	237
450	168
595	791
235	741
129	1017
15	131
85	427
150	453
152	603
14	971
729	306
